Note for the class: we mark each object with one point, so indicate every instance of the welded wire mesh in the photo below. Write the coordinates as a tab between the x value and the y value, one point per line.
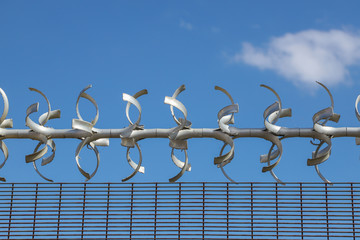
179	211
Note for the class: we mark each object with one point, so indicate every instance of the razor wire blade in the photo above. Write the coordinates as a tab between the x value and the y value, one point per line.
93	137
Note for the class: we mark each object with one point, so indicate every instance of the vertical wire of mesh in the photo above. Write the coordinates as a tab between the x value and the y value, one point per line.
227	211
203	210
83	212
59	213
35	208
352	209
131	211
179	213
252	209
301	212
155	210
107	211
11	208
327	212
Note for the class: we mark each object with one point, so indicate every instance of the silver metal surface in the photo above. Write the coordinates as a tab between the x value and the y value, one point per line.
92	137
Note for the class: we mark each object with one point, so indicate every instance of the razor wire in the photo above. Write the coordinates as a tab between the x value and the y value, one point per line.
93	137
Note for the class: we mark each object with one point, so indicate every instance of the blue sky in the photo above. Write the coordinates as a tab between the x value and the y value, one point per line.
125	46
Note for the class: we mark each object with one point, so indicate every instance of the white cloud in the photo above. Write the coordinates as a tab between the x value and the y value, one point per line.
307	56
186	25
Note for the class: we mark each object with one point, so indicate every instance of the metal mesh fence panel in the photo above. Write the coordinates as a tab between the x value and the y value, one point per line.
179	211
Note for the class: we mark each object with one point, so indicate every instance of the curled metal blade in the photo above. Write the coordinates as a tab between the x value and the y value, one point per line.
53	114
320	118
48	159
43	119
328	91
185	165
227	157
178	162
5	151
5	123
176	103
40	128
132	100
38	153
176	93
173	102
274	112
47	115
80	123
271	115
320	156
327	113
41	175
93	147
270	156
226	92
222	164
276	94
225	117
6	106
226	175
45	160
50	114
321	176
33	108
224	159
83	125
103	142
357	139
356	108
273	109
231	109
137	167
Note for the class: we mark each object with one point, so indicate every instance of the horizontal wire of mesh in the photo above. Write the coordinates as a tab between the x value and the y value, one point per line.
179	211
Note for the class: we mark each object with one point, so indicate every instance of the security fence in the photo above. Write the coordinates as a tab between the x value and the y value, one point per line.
179	211
92	136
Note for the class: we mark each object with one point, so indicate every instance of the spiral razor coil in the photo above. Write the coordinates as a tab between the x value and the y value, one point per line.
178	136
